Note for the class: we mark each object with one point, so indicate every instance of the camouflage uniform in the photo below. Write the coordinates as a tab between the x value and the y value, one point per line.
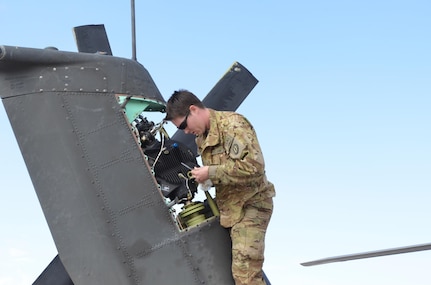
243	194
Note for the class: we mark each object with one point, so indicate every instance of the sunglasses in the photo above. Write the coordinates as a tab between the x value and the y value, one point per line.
183	124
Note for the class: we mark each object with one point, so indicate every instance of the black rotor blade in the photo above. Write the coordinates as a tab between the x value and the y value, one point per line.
231	90
227	95
54	274
92	39
369	254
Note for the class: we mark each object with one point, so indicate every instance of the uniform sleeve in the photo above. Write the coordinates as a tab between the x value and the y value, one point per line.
244	163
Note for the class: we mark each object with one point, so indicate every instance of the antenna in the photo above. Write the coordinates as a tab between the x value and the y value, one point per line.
133	30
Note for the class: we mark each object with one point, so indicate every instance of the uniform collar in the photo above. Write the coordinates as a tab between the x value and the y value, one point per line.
212	136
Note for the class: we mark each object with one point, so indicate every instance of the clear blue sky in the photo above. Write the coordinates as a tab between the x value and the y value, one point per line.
342	111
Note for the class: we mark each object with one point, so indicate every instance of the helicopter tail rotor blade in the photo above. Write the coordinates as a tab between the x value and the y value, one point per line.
369	254
92	39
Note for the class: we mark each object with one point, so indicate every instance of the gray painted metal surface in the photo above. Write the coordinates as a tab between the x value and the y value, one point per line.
105	212
29	70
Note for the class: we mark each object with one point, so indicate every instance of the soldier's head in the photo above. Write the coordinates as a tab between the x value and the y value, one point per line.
187	112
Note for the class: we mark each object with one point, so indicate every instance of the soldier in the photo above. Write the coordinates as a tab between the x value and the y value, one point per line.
233	161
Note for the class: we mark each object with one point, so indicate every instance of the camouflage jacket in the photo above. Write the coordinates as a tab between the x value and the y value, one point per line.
236	166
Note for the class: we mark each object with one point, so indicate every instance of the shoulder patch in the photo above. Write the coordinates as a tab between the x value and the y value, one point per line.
236	149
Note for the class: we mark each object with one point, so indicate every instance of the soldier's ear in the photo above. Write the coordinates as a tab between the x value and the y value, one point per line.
193	108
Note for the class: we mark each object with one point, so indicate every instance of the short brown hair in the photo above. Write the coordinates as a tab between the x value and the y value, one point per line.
179	103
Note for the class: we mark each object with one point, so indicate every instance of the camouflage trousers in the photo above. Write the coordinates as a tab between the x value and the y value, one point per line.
248	243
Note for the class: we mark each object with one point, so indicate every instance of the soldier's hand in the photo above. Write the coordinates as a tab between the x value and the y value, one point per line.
200	174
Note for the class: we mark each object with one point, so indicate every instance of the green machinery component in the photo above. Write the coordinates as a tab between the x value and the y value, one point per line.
133	106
